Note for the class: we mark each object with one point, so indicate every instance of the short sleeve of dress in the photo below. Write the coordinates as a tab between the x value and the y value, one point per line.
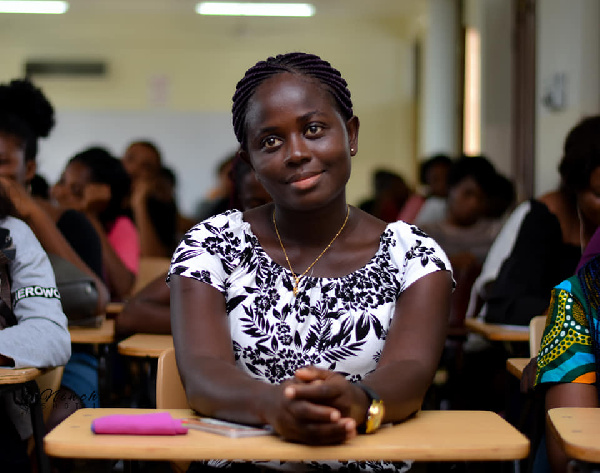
415	253
211	250
565	354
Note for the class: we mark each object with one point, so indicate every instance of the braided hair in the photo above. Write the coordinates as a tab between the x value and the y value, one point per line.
589	279
25	113
295	63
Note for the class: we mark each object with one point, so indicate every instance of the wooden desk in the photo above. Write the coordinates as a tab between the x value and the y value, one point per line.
578	429
515	366
103	334
145	345
24	378
497	332
114	308
429	436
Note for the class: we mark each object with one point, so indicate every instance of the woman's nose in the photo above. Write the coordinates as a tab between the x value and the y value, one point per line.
297	151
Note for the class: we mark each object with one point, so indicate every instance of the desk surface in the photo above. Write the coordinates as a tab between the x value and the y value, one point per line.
578	429
515	366
19	375
145	345
429	436
103	334
497	332
114	308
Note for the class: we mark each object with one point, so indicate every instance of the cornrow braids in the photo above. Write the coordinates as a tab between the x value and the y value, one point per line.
295	63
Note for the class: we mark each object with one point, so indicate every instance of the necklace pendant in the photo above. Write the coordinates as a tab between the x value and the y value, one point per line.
295	291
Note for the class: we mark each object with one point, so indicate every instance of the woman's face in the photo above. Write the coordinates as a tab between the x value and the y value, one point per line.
69	191
467	202
12	160
298	142
588	201
140	162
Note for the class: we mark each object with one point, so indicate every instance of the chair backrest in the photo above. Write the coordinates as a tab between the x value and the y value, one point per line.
150	268
48	384
536	330
169	390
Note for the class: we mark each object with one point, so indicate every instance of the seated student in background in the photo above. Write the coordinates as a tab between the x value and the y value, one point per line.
433	176
153	202
26	115
39	337
568	360
148	310
390	193
538	246
95	182
466	233
305	313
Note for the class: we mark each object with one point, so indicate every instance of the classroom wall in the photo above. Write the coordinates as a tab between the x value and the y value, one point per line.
172	77
569	44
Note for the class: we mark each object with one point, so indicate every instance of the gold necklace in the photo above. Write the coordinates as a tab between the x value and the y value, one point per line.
297	278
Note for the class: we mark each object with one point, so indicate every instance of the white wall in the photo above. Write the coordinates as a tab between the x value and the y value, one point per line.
162	67
569	43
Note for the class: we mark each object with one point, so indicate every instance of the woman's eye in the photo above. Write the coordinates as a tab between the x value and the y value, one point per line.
271	142
313	129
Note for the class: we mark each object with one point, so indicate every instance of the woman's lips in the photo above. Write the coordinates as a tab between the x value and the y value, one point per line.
305	182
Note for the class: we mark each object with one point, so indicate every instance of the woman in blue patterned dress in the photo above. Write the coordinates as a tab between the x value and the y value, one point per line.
567	363
306	314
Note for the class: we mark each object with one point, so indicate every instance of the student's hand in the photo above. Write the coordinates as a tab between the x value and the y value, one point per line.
331	389
96	197
23	202
296	418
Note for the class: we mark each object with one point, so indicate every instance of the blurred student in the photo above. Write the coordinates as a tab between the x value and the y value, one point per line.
95	182
37	336
148	310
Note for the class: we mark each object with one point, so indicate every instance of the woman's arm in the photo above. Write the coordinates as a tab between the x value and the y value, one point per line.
216	387
565	395
147	311
49	236
408	362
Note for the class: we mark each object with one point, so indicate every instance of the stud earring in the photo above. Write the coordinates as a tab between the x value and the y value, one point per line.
352	150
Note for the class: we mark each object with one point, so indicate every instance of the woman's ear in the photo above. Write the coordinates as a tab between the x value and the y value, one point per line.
352	126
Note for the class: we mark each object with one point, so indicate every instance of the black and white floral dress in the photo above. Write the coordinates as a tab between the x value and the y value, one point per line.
338	324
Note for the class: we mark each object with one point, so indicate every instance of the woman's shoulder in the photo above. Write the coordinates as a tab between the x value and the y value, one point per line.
19	230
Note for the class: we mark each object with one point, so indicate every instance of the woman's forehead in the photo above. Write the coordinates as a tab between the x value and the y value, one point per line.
287	91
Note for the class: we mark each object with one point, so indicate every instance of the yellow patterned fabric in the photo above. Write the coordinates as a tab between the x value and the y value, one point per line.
566	354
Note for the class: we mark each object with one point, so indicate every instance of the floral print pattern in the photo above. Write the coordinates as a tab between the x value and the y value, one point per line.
338	324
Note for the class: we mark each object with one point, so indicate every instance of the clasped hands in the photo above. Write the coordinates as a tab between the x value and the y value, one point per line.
318	407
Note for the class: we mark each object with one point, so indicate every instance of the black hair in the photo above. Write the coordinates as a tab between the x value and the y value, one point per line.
581	154
148	144
434	160
502	196
106	169
26	114
384	179
478	167
39	187
295	63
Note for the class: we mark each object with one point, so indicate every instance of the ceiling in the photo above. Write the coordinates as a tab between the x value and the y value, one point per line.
397	9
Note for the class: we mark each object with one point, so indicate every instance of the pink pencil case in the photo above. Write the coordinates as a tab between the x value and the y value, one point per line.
159	423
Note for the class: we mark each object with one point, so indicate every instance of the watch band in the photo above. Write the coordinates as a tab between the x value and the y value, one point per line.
375	411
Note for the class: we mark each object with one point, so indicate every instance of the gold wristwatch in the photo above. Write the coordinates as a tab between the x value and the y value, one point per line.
375	411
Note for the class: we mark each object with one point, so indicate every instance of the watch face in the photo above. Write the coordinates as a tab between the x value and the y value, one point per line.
374	416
